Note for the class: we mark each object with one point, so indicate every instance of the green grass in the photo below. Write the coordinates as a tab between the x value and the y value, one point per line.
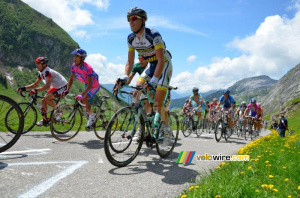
273	169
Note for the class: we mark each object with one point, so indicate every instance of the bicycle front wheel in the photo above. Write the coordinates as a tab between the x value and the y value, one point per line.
218	130
187	126
119	147
11	115
164	149
102	121
30	117
66	126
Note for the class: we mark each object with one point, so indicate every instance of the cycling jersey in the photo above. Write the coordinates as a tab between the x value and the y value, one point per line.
200	100
226	103
137	68
57	80
150	41
242	108
85	71
253	109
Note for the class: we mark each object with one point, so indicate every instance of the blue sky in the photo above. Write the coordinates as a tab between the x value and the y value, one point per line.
214	43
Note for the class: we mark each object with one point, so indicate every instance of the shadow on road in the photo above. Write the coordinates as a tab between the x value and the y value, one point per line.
172	172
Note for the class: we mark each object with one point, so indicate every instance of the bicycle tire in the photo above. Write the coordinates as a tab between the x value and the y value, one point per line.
14	118
199	130
165	150
218	130
118	145
102	121
188	124
68	125
30	117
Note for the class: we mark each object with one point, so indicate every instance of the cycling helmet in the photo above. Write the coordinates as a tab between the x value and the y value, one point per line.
206	102
226	91
79	52
186	100
195	89
42	60
138	12
243	103
215	100
252	100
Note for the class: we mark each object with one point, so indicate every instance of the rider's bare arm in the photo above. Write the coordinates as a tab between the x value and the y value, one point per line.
129	63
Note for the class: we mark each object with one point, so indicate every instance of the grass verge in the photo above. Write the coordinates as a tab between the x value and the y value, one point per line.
273	170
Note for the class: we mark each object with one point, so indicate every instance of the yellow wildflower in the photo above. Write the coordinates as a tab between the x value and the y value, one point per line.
242	173
218	167
286	179
298	187
223	163
271	176
284	167
264	185
218	196
191	188
276	190
256	160
196	186
183	196
290	196
267	162
268	165
249	167
257	190
271	186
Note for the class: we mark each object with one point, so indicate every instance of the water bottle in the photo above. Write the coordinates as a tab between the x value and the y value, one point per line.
156	119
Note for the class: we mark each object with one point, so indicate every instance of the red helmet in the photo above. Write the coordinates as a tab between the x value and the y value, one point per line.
42	60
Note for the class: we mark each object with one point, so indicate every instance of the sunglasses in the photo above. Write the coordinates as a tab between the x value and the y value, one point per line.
133	18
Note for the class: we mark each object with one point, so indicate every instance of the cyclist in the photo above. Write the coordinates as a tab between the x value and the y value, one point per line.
228	103
149	43
206	114
199	105
213	111
240	114
186	108
84	73
253	110
53	80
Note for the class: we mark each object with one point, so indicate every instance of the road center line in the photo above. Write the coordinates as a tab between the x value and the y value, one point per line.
26	151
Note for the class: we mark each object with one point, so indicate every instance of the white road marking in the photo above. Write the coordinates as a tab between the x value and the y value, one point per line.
26	151
44	186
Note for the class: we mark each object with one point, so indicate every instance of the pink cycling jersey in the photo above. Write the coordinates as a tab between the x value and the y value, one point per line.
85	71
253	109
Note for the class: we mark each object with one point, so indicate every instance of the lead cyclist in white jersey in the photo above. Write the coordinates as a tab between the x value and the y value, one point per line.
149	44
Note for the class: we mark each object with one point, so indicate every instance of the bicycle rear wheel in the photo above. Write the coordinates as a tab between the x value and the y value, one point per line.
218	130
163	149
119	147
102	121
11	115
67	126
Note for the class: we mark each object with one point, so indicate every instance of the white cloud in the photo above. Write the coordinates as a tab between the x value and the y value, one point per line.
272	50
107	72
191	58
68	14
80	33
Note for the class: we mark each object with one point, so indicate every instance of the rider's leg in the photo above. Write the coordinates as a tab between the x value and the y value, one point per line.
158	104
48	99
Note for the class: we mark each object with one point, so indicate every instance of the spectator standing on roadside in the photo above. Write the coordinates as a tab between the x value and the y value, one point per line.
283	125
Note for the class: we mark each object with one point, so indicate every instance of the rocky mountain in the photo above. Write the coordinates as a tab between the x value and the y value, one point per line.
286	89
247	88
26	34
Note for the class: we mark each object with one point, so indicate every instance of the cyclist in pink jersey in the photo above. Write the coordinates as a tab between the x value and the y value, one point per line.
253	109
84	73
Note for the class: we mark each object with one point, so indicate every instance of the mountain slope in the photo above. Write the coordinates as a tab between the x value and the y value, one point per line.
26	34
286	89
247	88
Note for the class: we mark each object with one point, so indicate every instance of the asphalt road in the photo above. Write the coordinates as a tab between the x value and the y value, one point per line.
39	166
